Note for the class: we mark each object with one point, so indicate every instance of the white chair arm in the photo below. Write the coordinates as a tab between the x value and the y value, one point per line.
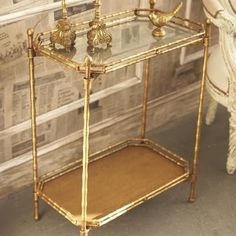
225	22
218	12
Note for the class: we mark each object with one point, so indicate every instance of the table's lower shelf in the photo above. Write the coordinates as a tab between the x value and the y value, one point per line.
120	178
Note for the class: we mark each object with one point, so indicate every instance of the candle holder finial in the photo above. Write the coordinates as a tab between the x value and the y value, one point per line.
64	35
152	4
98	33
64	9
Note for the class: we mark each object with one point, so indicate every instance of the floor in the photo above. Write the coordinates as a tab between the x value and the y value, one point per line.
213	214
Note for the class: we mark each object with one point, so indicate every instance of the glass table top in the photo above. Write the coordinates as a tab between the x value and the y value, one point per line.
132	41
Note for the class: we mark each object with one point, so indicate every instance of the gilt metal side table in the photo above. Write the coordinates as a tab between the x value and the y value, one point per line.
94	203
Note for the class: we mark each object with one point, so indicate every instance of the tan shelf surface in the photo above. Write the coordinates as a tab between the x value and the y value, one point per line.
117	183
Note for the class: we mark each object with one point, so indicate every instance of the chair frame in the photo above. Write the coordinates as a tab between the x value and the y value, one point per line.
223	15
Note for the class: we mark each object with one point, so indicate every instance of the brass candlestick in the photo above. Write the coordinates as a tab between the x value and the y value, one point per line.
64	34
98	33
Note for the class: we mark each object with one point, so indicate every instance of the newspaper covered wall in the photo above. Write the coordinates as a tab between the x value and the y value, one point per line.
57	87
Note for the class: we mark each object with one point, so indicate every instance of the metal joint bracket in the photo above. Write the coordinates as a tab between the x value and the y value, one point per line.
31	53
158	51
206	41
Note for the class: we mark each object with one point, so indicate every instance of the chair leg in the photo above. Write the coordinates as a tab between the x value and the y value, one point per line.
211	112
231	161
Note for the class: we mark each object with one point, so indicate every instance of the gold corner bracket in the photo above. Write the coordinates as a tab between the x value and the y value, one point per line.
64	35
98	33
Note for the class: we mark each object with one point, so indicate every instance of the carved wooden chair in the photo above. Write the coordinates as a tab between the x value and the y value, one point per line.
221	72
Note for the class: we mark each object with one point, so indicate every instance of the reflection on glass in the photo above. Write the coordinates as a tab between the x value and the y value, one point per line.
129	38
99	55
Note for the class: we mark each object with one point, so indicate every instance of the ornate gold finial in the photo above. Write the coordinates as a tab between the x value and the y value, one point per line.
98	33
98	5
64	9
152	4
64	34
160	19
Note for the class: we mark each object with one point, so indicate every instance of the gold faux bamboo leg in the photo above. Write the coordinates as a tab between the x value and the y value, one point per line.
192	196
31	53
87	88
84	233
145	98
